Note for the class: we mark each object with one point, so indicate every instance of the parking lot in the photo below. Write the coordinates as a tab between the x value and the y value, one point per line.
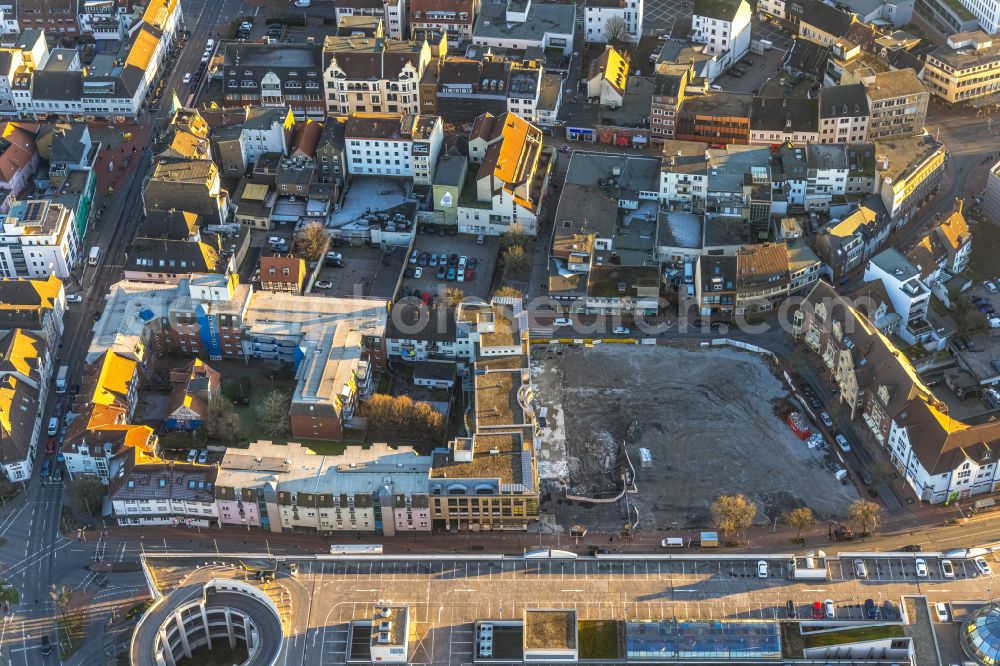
902	568
446	597
367	271
661	14
460	245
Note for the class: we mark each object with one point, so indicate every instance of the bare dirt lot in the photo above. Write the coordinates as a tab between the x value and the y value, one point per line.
706	416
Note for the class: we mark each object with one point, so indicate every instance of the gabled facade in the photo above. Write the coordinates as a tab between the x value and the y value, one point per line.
25	370
362	75
597	14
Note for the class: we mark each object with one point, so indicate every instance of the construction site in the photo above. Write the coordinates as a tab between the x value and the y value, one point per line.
678	427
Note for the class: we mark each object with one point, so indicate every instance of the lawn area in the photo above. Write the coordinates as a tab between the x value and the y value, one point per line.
70	635
598	639
795	642
248	415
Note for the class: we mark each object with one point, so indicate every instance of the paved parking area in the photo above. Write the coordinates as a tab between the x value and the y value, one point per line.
461	245
902	568
367	271
661	14
446	597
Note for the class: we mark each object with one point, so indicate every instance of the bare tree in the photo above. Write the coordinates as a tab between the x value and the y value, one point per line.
222	423
514	260
87	492
272	412
616	32
866	513
62	599
453	296
733	513
800	519
508	292
313	241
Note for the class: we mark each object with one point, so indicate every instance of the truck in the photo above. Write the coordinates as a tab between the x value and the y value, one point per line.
61	379
95	254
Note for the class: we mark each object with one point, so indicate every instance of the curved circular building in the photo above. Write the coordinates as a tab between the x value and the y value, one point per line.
980	635
203	614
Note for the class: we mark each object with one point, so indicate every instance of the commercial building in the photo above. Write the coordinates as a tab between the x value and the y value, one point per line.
509	172
909	295
723	26
898	102
393	144
288	488
844	114
719	118
845	244
625	13
25	370
776	120
522	24
276	76
336	344
146	490
367	75
34	305
455	18
966	67
392	12
991	195
908	171
40	238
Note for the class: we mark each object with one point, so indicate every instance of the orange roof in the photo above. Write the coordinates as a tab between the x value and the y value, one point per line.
114	379
955	229
142	49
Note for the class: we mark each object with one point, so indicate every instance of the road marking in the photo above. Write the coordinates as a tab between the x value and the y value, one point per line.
939	590
572	590
815	589
464	589
366	590
686	590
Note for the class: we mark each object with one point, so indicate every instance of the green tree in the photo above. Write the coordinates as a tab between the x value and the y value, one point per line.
313	241
866	513
87	492
733	513
401	417
272	413
800	519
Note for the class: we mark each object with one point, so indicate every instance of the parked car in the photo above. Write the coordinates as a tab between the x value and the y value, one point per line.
187	78
790	612
50	446
912	548
472	263
817	610
451	274
53	426
326	284
982	567
46	468
825	418
46	646
57	473
842	443
761	569
562	321
469	273
829	610
203	456
432	261
442	272
414	256
921	566
989	286
74	298
192	455
947	569
453	260
860	570
871	610
422	259
888	610
620	330
462	261
418	272
461	274
941	610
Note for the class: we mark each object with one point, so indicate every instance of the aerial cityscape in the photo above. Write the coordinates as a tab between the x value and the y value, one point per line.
496	332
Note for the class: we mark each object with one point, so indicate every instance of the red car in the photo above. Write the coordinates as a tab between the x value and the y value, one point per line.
468	274
50	446
817	610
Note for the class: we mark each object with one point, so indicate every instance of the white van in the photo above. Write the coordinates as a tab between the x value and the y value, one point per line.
210	44
53	426
672	542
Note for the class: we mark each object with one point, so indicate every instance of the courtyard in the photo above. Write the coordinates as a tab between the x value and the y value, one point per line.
708	418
